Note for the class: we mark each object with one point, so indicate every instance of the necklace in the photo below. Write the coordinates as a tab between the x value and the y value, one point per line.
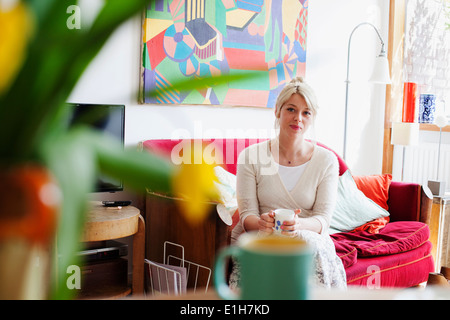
287	160
282	150
298	157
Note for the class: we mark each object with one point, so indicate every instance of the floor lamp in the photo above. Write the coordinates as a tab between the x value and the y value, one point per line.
405	134
380	74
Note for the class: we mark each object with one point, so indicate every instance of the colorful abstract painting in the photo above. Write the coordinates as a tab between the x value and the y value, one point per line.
189	39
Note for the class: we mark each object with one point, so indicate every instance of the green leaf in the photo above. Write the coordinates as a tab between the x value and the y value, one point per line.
203	83
138	170
72	162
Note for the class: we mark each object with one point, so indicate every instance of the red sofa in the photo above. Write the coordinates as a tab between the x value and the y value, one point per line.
398	256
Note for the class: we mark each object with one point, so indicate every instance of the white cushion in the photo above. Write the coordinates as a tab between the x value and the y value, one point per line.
353	208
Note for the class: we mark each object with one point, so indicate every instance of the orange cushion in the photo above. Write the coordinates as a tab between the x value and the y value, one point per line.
373	226
375	187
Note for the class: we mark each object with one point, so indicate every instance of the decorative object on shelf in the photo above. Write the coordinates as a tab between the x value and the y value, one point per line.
438	187
380	74
427	107
405	134
409	101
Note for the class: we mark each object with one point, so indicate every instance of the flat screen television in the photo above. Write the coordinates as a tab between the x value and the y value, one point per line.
108	119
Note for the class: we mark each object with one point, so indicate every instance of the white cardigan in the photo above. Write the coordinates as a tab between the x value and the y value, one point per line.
260	189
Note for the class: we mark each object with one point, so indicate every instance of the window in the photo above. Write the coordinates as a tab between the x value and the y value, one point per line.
427	49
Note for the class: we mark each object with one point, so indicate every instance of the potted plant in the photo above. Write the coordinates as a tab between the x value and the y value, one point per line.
47	169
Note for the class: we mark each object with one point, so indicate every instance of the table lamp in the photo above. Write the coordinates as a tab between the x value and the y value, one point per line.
405	134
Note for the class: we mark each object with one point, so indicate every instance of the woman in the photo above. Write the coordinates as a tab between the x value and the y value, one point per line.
293	173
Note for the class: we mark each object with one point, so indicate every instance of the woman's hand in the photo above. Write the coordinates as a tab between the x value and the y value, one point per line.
290	228
267	222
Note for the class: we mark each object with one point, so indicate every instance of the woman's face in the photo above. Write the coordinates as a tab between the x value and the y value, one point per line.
295	116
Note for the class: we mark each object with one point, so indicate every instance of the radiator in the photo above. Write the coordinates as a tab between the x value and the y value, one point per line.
421	163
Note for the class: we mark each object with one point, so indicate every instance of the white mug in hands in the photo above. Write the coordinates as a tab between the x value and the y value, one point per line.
282	215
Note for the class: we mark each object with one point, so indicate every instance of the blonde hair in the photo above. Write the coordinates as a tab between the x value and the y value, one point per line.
297	85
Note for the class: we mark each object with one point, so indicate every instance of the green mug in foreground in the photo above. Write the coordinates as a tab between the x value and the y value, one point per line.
272	268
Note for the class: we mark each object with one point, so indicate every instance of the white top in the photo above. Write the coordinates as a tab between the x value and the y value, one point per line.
259	186
290	175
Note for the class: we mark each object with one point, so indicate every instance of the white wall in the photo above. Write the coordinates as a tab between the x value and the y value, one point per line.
329	27
113	77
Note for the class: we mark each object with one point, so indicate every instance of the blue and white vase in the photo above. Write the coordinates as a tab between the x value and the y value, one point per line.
427	107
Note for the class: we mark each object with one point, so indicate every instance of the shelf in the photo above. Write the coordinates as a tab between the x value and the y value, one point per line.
433	127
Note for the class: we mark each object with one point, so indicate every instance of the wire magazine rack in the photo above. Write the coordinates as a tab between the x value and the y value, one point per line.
176	274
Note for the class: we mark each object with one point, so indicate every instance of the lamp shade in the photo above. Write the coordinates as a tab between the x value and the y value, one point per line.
405	133
381	70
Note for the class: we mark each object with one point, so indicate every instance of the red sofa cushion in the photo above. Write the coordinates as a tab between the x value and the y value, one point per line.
345	251
402	270
396	237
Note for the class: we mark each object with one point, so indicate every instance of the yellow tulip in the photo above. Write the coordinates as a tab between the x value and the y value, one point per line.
195	184
15	27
